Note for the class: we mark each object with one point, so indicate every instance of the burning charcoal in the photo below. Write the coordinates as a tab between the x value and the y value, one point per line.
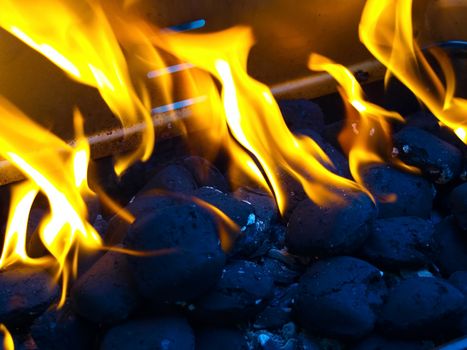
264	340
243	290
413	195
302	114
220	339
376	342
279	310
205	174
399	243
279	272
306	343
252	230
139	207
421	305
62	329
25	293
263	204
341	164
459	280
437	159
105	293
337	297
193	263
172	178
339	228
451	246
169	333
458	204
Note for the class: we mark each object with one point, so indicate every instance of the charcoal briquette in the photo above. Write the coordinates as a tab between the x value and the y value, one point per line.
242	291
458	205
333	229
220	339
139	207
438	160
205	173
105	294
169	333
378	342
59	329
339	297
251	232
398	193
190	259
302	114
172	178
400	243
25	293
451	252
421	306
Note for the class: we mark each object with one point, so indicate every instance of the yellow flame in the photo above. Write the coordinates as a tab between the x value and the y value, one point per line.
59	172
253	128
81	38
8	343
368	138
386	30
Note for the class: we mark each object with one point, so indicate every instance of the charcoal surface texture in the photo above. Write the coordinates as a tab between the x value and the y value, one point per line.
278	312
251	230
172	178
438	160
302	114
139	207
451	254
376	342
400	243
25	293
458	204
169	333
220	339
205	174
106	294
421	306
62	329
332	230
398	193
339	297
191	260
340	165
243	290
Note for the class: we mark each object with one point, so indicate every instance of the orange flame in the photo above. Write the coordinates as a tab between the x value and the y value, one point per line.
8	343
78	37
368	138
386	30
258	139
57	170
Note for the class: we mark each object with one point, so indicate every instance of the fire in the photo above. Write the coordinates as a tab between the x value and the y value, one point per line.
8	343
251	123
59	172
386	30
79	38
367	137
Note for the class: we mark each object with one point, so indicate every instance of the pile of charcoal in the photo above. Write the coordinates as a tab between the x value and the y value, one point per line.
387	272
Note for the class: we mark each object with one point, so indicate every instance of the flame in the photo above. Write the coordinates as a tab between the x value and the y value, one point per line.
59	172
249	121
8	343
386	30
81	39
367	138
